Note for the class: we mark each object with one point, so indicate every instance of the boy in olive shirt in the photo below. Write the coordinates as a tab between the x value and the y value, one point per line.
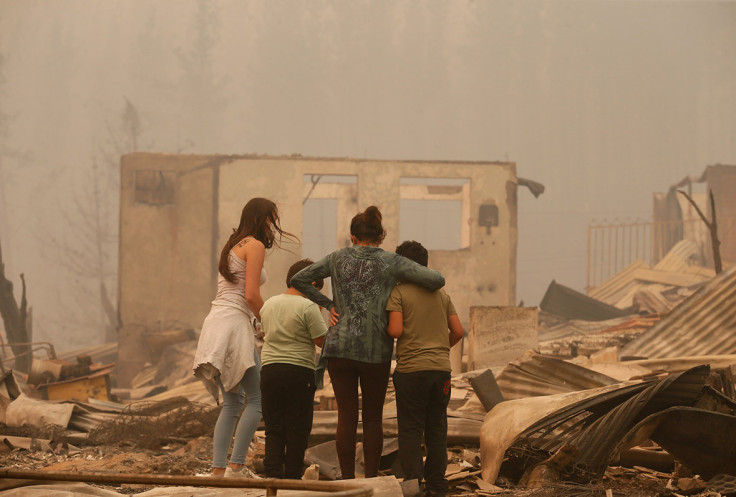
292	325
420	319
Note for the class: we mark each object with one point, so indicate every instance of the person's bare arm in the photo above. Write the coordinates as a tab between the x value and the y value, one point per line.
315	324
456	329
255	256
395	324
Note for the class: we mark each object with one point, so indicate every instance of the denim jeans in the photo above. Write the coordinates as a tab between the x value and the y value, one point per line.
230	416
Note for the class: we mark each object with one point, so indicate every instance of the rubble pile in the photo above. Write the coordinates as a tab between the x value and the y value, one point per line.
629	391
151	425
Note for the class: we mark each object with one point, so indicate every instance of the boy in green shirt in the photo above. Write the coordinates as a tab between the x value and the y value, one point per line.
420	319
292	325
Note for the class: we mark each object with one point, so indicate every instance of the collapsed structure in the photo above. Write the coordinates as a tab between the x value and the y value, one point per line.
650	360
634	378
177	210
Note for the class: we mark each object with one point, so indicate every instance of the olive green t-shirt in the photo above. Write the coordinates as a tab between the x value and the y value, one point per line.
424	345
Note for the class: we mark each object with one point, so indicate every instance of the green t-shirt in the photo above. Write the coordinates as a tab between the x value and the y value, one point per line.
424	345
290	323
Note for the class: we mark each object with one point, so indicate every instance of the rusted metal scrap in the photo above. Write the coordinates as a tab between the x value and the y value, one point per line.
504	424
601	425
700	439
702	325
533	374
570	304
597	426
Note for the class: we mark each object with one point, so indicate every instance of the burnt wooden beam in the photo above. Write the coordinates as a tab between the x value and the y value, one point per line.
712	227
14	320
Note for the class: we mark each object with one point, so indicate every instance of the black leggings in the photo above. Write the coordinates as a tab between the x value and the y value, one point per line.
345	375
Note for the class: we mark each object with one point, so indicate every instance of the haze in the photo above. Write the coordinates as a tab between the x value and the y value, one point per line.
604	102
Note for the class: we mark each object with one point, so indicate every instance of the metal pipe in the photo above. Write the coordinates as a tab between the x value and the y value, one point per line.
41	345
335	488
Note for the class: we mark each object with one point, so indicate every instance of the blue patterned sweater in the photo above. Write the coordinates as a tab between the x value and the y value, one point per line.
362	280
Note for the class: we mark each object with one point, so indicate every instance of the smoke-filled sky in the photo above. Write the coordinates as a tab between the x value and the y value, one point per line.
604	102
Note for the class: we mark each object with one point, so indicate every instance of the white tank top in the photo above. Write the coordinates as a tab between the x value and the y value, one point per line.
233	293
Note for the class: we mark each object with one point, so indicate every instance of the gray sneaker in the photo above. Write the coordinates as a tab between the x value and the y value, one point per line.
243	472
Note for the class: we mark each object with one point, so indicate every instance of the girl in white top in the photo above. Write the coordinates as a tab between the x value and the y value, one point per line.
226	359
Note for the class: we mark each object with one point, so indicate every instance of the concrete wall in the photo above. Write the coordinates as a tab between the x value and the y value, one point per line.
175	219
499	335
166	250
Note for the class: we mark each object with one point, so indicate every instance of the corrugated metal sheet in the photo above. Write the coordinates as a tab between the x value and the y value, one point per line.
596	426
616	288
676	364
682	255
578	327
668	278
635	323
534	375
568	303
584	338
677	267
704	324
636	287
701	439
600	439
652	301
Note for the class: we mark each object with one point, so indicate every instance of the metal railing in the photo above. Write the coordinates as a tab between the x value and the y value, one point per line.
48	347
614	246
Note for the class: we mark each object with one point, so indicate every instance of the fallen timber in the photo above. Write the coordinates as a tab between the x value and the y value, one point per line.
271	485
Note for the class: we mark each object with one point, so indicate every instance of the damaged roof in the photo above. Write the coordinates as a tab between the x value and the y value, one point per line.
676	276
568	303
703	324
534	374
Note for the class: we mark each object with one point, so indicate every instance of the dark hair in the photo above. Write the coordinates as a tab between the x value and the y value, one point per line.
414	251
366	226
298	266
259	219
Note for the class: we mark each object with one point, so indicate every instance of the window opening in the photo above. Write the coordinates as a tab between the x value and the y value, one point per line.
329	202
435	212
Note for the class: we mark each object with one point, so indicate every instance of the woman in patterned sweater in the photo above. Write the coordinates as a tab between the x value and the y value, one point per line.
356	346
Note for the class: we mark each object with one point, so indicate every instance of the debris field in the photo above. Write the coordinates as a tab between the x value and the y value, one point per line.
626	391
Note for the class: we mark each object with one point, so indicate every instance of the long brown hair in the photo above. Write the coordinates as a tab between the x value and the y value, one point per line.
259	219
366	226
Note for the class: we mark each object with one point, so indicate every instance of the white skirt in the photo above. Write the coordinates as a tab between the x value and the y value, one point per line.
225	348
